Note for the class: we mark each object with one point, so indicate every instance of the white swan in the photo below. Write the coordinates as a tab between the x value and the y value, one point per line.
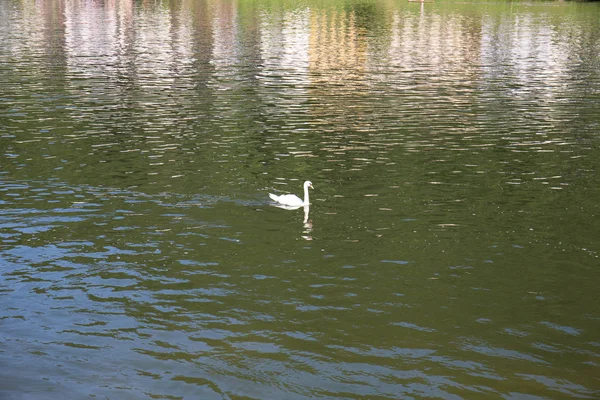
291	200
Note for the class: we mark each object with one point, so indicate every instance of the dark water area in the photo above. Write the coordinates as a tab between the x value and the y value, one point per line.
451	248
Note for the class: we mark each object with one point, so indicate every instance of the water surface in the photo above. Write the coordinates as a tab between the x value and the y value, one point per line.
450	251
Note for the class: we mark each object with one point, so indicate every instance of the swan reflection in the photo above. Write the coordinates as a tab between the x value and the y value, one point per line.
307	223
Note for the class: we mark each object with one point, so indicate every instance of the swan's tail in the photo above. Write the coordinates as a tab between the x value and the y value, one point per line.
274	197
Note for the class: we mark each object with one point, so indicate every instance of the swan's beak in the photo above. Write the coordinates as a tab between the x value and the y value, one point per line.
311	186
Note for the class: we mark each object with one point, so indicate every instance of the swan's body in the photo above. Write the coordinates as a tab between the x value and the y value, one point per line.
291	200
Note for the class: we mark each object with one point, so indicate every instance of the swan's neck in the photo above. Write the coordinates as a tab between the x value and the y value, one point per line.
306	195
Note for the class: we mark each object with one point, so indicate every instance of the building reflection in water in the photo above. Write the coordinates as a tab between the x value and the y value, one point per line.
126	55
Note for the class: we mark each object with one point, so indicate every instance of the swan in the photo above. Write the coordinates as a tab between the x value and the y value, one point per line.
291	200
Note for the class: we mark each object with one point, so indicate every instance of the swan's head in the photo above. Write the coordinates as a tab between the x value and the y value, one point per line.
308	184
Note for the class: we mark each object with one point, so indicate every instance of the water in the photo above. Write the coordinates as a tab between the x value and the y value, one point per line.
450	251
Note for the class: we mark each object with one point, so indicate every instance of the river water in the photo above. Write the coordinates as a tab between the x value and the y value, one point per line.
451	249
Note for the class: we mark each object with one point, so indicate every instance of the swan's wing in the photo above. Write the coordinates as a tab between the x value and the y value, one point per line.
290	199
286	207
287	199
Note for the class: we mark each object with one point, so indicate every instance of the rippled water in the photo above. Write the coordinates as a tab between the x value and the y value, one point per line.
451	249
